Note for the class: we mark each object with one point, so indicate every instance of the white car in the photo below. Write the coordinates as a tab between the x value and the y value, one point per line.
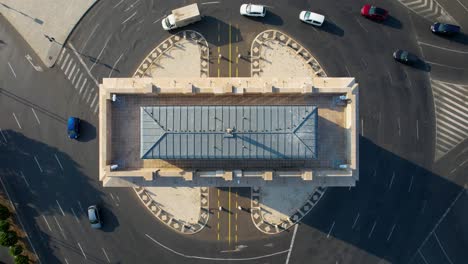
311	18
252	10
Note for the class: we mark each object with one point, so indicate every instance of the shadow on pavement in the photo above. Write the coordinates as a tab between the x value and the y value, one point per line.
109	220
393	22
87	131
461	38
332	28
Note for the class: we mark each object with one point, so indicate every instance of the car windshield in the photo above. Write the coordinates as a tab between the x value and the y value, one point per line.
307	16
92	216
249	7
376	11
443	27
166	21
404	55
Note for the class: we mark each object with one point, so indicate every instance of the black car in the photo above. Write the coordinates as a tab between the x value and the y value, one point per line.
405	57
444	29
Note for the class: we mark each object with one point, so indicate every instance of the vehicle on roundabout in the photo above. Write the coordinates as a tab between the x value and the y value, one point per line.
374	12
73	127
445	29
405	57
311	18
181	17
94	217
253	10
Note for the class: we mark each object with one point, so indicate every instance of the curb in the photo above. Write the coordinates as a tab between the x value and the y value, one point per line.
169	43
275	228
168	219
275	35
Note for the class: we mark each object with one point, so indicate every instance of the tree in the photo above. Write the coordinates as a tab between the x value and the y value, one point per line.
8	238
4	225
4	212
21	259
16	250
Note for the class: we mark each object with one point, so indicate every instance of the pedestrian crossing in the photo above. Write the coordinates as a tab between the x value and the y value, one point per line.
451	111
76	73
429	9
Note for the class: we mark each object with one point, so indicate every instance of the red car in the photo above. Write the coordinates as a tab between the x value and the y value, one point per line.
373	12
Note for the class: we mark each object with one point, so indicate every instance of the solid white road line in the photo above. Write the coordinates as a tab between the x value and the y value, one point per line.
37	162
443	48
105	254
292	243
444	65
82	251
355	221
61	210
441	247
3	135
391	232
118	4
422	256
60	227
11	68
129	18
37	118
74	214
82	85
58	161
331	228
81	207
89	37
47	223
100	53
82	63
411	183
65	61
362	127
464	7
115	64
17	121
19	219
391	181
216	259
417	129
372	230
359	22
399	126
210	3
66	261
24	178
157	20
390	76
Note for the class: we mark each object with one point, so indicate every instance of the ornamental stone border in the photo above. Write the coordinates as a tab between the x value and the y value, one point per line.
275	228
168	219
275	35
169	43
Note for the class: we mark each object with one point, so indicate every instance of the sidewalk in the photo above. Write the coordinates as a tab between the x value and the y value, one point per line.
35	20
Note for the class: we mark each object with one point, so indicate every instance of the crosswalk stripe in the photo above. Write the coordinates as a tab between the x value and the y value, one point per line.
453	88
78	82
94	99
96	109
68	66
447	139
429	9
60	57
85	91
74	76
89	96
84	82
444	130
459	120
65	61
71	72
447	121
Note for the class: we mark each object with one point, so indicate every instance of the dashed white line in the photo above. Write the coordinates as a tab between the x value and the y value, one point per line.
372	230
11	68
411	183
115	64
292	243
74	214
391	181
331	228
129	18
441	247
3	135
355	221
210	3
26	181
105	254
100	53
89	37
37	162
17	122
82	251
58	224
58	161
47	223
61	210
118	4
66	261
37	118
391	232
390	76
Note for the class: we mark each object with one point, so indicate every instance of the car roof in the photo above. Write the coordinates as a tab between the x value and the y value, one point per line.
71	122
256	8
316	17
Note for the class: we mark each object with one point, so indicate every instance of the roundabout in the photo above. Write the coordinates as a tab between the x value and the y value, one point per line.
406	207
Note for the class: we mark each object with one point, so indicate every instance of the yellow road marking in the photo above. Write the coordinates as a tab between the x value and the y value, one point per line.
218	72
229	207
236	227
218	226
230	50
218	192
236	220
218	236
219	52
218	214
236	238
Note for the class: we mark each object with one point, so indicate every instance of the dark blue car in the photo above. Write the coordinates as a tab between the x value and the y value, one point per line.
445	29
73	127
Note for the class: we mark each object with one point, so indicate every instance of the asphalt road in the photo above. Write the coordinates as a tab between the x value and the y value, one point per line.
406	208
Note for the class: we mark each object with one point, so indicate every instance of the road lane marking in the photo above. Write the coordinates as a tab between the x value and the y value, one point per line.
331	228
210	3
17	122
441	247
399	126
82	85
61	210
37	118
66	261
59	60
64	61
422	256
444	65
74	214
215	259
417	129
37	162
94	99
82	63
464	7
89	37
391	232
69	76
82	251
362	127
118	4
81	207
355	221
105	254
347	70
129	18
390	76
159	19
47	223
58	161
292	243
372	230
115	64
11	68
391	181
359	22
3	135
78	81
411	183
443	48
26	181
58	223
68	66
100	53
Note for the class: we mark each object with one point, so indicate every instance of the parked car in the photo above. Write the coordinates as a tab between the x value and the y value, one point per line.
405	57
73	127
311	18
374	12
445	29
253	10
94	217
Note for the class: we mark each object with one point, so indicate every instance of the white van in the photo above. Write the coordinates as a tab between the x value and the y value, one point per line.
311	18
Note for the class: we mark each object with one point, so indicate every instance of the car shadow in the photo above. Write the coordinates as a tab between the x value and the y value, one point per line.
422	65
270	19
109	220
392	22
461	38
330	27
87	131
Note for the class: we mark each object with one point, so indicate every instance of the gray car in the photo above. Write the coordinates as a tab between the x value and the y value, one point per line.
93	216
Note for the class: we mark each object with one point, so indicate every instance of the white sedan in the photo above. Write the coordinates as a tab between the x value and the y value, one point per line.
311	18
252	10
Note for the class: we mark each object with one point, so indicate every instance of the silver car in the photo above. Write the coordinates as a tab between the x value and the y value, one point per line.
93	216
